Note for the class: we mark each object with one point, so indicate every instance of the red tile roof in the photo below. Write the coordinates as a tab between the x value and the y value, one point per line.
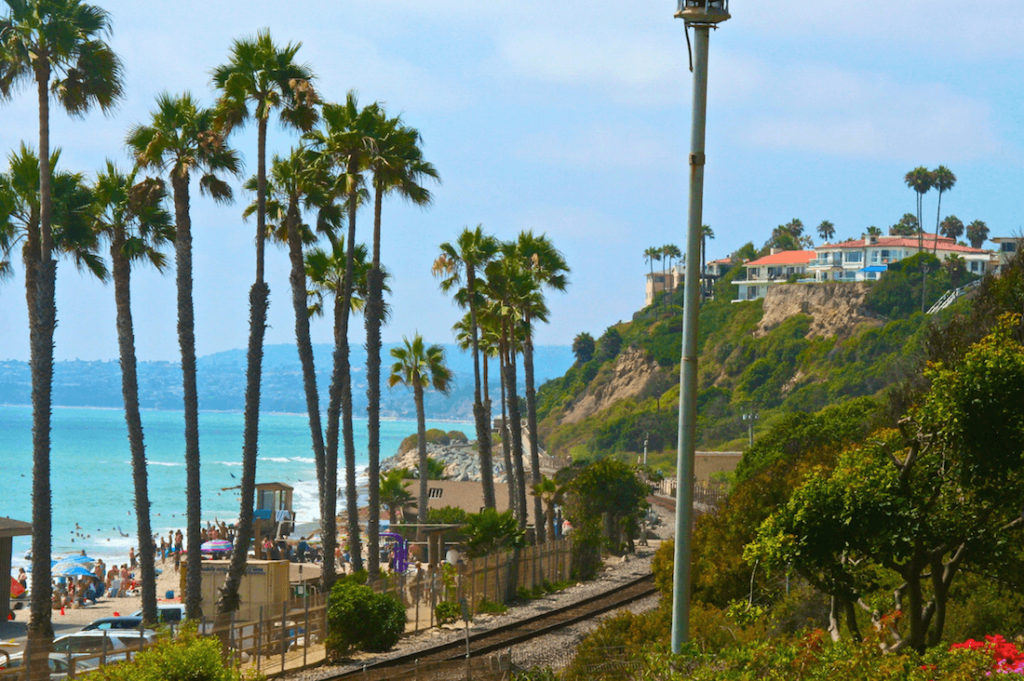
784	258
944	244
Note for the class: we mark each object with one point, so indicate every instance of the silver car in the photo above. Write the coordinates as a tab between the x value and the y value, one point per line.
60	665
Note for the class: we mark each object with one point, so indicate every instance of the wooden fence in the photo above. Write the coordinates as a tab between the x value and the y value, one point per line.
289	636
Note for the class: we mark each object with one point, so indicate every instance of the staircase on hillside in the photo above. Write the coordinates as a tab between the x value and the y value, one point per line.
951	296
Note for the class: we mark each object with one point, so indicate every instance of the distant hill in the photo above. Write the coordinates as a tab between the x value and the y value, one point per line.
221	379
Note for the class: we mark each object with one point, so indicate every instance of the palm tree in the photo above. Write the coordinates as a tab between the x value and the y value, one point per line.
130	215
551	494
342	145
583	347
296	182
325	270
508	287
952	227
398	167
705	233
463	261
977	233
671	252
546	268
58	44
943	180
651	255
873	231
266	77
417	366
394	493
921	181
180	140
826	230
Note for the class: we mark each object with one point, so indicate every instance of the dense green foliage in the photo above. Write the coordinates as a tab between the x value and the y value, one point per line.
490	531
359	619
899	292
187	657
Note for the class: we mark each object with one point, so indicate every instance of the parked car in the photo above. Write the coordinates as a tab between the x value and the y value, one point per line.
97	644
60	665
113	623
170	613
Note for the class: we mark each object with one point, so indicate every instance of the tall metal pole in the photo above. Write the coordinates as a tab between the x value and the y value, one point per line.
688	366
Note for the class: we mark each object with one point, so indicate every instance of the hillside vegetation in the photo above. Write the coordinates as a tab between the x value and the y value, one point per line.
804	347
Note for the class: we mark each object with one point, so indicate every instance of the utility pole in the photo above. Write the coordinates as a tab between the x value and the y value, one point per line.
701	15
750	417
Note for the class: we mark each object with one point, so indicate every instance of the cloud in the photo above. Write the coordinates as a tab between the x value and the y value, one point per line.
832	111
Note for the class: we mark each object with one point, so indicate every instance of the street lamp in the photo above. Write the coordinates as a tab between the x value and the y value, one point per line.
702	16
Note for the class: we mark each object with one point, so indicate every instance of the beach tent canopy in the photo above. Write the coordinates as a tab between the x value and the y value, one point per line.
216	545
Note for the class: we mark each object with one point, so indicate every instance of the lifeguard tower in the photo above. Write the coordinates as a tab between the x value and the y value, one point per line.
273	515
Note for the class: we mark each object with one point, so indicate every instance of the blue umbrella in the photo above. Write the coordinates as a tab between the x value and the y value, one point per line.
77	571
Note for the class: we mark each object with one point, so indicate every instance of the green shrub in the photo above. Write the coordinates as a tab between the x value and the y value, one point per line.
358	618
188	657
447	612
488	607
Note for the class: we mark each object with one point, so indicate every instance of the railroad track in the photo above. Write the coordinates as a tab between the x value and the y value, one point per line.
507	635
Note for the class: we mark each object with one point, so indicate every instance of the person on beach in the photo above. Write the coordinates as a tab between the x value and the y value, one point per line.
303	548
131	558
177	561
179	540
23	578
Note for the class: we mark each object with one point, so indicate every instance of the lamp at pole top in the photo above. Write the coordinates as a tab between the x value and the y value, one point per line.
703	11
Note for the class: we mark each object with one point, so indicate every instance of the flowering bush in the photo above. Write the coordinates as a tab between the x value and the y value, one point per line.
1006	657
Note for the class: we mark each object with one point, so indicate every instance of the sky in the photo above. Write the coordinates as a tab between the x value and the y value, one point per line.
570	119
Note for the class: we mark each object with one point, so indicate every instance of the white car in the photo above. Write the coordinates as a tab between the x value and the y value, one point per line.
60	665
170	613
107	646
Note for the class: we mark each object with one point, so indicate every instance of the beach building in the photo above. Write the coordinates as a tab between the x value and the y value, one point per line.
1008	247
666	280
469	496
865	259
672	278
775	268
8	530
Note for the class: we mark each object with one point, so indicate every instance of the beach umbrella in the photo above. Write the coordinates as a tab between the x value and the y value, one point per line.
76	571
216	545
67	563
16	588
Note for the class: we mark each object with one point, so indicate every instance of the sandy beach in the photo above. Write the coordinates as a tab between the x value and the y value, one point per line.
74	619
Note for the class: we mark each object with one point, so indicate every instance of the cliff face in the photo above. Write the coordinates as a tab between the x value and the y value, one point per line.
835	308
631	374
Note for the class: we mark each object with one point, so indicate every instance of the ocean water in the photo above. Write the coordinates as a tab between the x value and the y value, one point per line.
91	474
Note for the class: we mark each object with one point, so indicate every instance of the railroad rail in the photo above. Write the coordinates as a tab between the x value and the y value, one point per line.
507	635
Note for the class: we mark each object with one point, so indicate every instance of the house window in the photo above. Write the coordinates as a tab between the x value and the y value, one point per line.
853	257
1008	247
872	275
874	257
975	266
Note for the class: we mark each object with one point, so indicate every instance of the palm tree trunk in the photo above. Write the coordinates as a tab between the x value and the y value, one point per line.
373	317
259	300
43	316
938	214
516	435
480	415
341	391
297	278
506	450
421	446
133	419
187	345
531	424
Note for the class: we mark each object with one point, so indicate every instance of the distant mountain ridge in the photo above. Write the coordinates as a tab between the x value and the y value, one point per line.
221	378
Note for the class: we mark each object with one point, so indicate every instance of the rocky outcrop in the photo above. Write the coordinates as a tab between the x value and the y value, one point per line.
632	373
461	461
835	308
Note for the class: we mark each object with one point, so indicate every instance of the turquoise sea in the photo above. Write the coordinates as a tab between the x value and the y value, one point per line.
92	477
